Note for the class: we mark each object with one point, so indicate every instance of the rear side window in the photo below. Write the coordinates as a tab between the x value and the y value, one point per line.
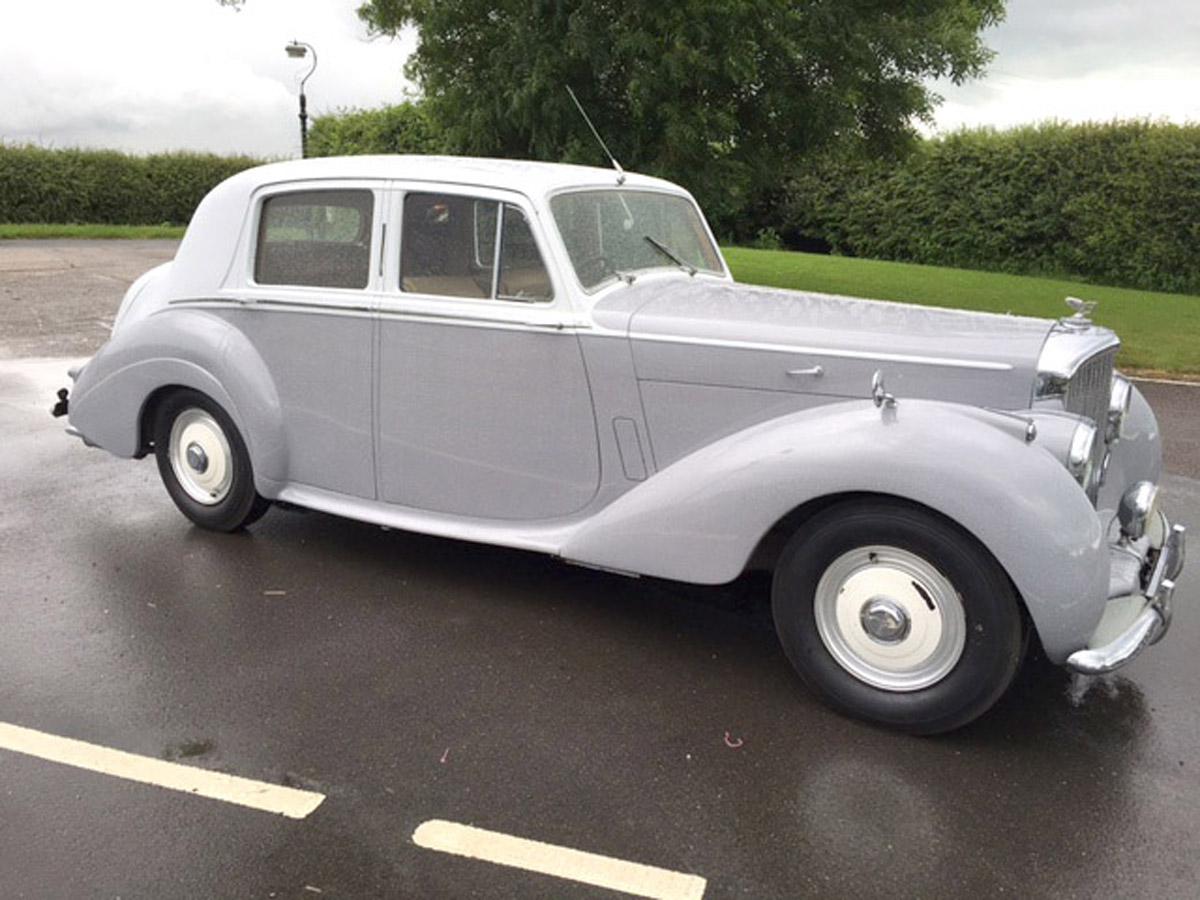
455	246
315	239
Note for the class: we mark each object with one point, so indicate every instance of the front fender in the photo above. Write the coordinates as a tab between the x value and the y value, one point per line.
188	348
700	518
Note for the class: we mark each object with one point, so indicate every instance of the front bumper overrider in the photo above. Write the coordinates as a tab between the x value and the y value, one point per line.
1156	577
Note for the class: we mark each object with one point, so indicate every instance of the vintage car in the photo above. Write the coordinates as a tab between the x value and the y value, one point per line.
556	358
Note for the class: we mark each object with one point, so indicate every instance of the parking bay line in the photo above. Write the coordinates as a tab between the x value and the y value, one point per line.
273	798
561	862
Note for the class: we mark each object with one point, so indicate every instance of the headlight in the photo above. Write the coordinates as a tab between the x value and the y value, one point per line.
1081	455
1138	506
1118	408
1051	385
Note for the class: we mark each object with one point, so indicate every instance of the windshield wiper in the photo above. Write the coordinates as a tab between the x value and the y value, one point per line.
669	254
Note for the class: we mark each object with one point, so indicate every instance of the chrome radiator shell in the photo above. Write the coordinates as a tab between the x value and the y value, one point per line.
1088	390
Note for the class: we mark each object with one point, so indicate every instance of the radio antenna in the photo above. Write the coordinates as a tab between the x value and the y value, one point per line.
599	140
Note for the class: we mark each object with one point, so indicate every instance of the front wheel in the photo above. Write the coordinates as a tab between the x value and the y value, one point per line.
204	464
893	614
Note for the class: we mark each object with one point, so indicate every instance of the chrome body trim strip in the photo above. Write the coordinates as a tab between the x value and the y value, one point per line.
410	315
947	362
477	321
283	305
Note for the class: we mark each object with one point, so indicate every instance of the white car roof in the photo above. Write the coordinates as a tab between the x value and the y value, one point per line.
203	259
525	176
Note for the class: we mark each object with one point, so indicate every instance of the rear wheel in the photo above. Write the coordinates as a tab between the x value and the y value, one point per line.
893	614
204	464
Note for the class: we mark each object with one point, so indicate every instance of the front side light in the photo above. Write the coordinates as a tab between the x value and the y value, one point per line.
1081	455
1118	408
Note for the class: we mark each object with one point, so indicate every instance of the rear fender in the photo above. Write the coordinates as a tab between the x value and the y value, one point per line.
700	518
185	348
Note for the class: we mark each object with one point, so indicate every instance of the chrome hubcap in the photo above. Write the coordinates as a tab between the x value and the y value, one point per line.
890	618
200	457
885	620
197	458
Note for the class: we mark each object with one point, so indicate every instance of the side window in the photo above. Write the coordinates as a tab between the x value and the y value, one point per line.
448	247
315	239
523	275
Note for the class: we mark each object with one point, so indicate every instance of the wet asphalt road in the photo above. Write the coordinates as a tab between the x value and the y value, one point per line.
569	706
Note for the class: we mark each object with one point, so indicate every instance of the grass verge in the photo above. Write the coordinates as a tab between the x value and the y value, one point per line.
1160	333
14	231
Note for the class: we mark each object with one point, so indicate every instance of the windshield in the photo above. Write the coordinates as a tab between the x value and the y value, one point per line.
609	233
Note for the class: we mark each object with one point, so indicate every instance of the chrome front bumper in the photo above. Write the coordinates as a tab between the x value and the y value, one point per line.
1150	624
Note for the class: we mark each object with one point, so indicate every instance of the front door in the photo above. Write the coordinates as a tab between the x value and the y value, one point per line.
484	405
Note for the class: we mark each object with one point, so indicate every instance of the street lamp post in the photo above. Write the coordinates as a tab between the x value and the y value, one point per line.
298	50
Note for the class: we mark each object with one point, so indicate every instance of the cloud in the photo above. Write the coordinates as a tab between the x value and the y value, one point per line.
149	75
1081	60
1076	37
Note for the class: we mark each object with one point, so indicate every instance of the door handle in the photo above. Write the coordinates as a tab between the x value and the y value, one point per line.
814	371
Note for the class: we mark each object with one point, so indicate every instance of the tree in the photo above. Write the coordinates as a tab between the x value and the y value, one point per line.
403	128
721	95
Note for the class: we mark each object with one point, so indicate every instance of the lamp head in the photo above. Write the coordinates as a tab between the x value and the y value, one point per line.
296	50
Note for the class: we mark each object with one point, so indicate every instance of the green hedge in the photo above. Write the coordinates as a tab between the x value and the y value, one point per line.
106	186
403	128
1114	203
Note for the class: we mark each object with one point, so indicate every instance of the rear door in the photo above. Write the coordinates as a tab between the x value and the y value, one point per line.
308	308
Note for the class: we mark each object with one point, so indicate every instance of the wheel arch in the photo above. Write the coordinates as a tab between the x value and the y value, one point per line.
766	554
150	406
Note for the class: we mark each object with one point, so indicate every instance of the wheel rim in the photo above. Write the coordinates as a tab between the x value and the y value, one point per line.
200	457
890	618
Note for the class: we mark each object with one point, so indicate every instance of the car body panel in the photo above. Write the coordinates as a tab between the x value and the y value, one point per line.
661	424
700	518
752	337
327	422
471	423
189	348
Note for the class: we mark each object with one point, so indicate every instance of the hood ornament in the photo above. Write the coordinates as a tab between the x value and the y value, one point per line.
1080	319
879	393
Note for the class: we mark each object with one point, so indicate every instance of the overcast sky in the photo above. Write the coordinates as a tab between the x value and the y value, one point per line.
189	74
1085	59
183	74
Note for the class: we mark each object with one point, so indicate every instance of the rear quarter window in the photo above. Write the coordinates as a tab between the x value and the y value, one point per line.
316	238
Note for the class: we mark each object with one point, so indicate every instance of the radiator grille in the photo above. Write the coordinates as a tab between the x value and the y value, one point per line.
1088	391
